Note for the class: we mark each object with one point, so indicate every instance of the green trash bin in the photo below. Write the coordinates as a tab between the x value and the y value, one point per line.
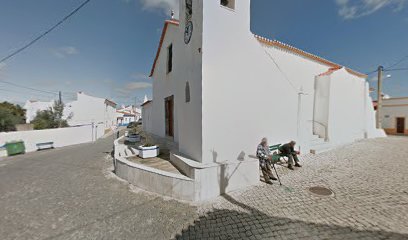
14	148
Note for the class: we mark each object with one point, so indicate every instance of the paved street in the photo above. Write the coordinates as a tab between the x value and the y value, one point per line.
69	193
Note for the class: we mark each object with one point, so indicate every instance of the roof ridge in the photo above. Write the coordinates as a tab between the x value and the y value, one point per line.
295	50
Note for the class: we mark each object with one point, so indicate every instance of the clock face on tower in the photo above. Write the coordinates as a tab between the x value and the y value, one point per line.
188	32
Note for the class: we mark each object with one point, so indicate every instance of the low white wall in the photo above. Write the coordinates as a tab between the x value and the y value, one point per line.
61	136
153	180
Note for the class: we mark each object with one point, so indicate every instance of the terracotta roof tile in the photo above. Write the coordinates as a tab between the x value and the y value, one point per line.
289	48
265	41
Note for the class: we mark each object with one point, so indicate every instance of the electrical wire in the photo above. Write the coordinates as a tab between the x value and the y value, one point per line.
391	66
396	69
41	97
45	33
280	70
398	62
29	88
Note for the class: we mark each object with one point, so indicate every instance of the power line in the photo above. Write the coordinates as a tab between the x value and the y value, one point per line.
23	93
396	69
45	33
398	62
29	88
391	66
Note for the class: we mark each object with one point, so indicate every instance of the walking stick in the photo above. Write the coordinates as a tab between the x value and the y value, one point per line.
273	165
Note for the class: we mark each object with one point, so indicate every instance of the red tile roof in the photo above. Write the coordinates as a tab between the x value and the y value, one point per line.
284	46
330	71
265	41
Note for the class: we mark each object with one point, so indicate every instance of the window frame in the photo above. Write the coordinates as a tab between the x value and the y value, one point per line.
169	62
230	6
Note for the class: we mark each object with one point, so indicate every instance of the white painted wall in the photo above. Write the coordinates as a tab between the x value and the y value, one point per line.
239	74
87	109
61	136
346	107
343	105
147	118
186	67
321	107
393	108
230	70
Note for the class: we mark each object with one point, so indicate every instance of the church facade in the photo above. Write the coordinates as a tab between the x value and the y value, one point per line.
218	89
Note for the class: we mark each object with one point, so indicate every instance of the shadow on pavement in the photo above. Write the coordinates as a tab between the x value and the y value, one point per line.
232	224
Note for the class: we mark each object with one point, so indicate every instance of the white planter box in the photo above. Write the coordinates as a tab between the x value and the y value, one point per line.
149	152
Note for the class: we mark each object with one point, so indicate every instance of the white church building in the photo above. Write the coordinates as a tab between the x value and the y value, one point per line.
218	89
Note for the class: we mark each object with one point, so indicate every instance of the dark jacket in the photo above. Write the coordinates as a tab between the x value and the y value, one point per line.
286	149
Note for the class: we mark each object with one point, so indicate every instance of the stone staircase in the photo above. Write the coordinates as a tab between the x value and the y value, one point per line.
319	145
126	151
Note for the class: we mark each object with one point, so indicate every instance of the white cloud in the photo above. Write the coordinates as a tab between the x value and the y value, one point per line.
63	52
131	87
350	9
137	85
139	76
163	5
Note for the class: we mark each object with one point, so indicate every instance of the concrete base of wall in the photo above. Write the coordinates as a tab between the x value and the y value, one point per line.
200	182
215	179
393	131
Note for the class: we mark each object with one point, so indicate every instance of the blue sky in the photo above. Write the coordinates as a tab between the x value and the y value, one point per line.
107	49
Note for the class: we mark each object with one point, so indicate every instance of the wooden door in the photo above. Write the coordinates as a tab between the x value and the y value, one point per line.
169	118
400	125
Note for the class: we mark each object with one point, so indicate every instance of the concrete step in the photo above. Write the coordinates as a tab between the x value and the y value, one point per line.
317	141
132	151
320	148
315	137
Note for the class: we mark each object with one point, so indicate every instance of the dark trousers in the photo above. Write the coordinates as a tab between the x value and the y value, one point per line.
292	158
266	171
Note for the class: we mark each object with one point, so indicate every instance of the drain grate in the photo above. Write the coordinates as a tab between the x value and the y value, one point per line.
321	191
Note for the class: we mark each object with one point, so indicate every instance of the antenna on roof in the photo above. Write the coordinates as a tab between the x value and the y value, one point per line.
172	14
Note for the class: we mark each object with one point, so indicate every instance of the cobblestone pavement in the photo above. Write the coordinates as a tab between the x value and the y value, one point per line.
69	193
370	183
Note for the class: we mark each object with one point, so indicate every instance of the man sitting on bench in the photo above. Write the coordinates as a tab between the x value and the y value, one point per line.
265	158
288	150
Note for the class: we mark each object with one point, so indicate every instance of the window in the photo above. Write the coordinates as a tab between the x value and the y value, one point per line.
187	92
170	58
228	3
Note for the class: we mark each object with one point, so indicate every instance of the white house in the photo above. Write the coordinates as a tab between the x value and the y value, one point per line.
394	115
128	114
209	66
87	110
33	106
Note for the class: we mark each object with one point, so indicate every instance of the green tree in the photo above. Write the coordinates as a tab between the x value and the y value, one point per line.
10	115
51	118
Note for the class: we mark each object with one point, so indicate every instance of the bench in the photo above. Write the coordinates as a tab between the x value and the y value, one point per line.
44	145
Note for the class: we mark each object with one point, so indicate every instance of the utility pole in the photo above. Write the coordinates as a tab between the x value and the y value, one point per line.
379	97
62	110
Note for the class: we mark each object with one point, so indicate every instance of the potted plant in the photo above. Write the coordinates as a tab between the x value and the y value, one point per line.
148	149
133	135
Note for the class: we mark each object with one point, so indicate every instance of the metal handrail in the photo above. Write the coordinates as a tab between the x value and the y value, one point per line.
326	137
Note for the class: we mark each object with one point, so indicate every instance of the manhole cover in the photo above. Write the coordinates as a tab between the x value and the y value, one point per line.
322	191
